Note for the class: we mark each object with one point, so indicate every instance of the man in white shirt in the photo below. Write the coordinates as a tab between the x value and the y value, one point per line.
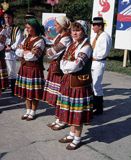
13	39
101	48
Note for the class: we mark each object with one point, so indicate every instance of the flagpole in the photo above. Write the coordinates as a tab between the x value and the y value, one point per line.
52	10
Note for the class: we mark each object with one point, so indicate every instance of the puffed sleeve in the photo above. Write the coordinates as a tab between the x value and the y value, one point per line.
76	65
19	51
56	50
39	46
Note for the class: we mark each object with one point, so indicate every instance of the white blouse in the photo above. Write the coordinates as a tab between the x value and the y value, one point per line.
29	56
65	41
2	45
73	66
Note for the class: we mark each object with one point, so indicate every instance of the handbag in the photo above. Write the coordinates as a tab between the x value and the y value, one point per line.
80	80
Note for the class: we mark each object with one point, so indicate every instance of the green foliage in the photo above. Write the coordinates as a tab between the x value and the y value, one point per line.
76	9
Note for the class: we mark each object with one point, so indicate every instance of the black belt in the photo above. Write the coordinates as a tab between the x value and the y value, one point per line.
103	59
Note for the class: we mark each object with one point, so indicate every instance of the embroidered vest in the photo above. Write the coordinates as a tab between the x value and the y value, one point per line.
14	31
28	45
83	77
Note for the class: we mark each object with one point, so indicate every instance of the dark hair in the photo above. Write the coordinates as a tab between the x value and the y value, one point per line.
76	26
100	24
9	12
35	24
42	30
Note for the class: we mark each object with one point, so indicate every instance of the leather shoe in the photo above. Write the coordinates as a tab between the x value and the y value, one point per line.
30	117
65	140
73	146
24	117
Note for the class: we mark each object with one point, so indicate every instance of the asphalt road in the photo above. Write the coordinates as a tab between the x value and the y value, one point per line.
107	138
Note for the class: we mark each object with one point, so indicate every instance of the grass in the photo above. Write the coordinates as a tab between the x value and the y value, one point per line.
115	63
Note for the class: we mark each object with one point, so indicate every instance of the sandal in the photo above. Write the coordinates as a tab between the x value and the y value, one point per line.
58	127
73	146
65	140
50	125
24	116
30	117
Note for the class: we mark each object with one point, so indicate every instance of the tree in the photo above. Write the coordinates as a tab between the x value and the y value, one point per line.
76	9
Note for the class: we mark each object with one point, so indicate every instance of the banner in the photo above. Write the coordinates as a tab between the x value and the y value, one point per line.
123	25
48	21
105	9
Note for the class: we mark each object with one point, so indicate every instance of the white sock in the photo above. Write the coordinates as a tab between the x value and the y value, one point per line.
76	140
60	123
28	111
57	120
71	135
32	112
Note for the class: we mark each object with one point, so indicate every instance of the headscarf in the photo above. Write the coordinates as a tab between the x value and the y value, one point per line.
63	21
84	25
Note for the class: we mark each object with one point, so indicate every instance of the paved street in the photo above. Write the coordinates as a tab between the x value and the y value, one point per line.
107	138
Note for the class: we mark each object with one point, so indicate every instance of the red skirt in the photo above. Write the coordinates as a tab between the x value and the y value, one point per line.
76	104
30	83
3	75
52	87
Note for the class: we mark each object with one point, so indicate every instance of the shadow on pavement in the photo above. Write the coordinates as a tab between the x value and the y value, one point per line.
108	133
8	102
116	128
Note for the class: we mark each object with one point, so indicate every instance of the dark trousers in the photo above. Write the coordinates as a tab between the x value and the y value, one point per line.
98	104
12	82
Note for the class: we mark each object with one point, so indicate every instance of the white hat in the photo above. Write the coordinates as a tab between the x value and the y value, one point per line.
84	25
63	21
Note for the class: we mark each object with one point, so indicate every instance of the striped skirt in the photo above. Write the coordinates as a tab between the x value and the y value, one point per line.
52	87
76	104
3	75
30	83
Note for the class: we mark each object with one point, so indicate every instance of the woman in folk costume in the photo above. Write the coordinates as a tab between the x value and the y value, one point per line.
52	84
30	79
75	98
3	69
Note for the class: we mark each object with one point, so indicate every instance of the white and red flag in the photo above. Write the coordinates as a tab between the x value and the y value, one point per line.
105	9
123	25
